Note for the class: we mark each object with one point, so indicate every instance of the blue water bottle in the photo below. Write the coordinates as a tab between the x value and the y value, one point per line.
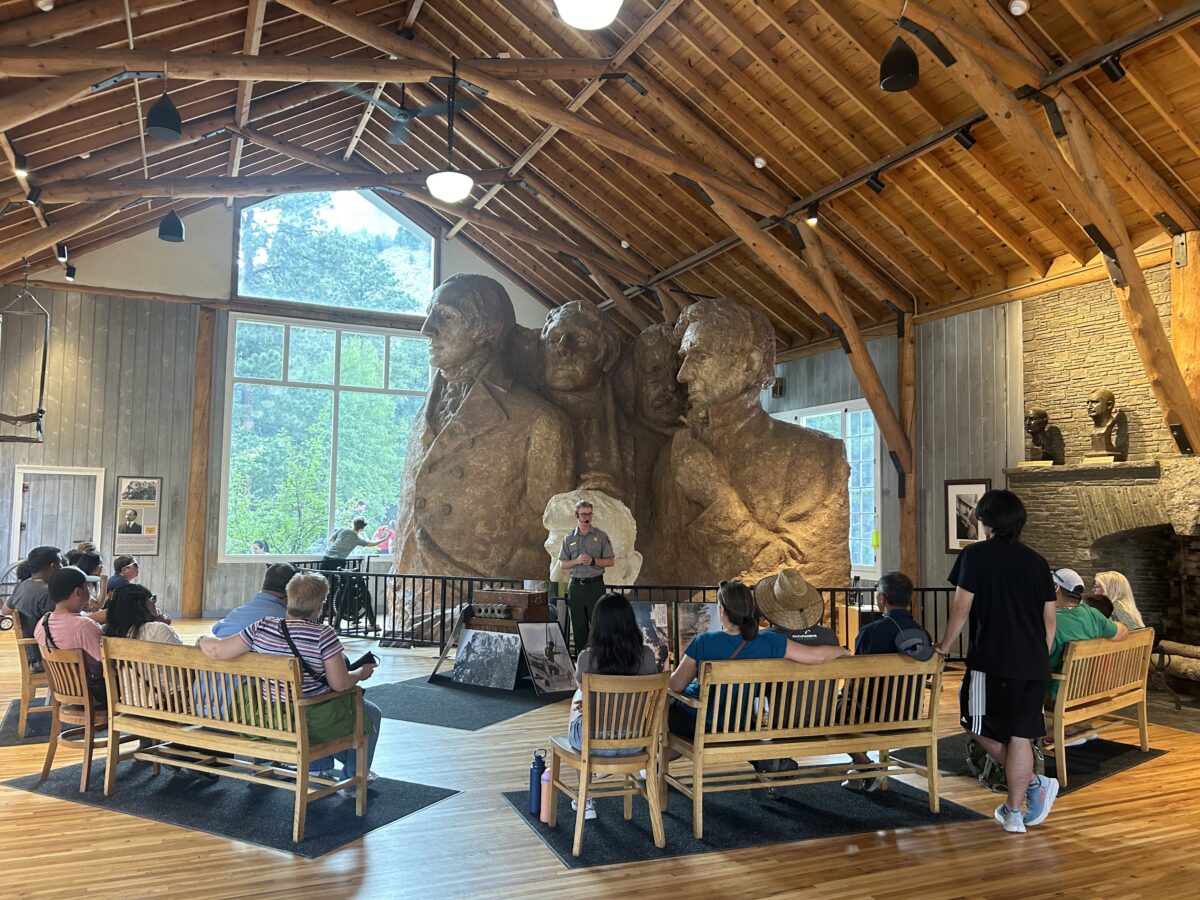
535	782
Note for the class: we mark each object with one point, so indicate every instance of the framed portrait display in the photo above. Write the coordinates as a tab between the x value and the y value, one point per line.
962	528
138	515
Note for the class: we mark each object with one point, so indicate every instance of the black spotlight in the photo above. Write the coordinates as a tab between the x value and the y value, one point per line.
965	139
60	252
1111	66
899	70
163	121
20	165
875	183
171	228
34	197
70	276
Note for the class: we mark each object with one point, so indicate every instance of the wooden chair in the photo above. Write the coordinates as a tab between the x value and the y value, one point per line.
620	712
1098	678
72	704
31	683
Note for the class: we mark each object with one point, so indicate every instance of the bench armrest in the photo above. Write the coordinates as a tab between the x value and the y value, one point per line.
684	698
321	698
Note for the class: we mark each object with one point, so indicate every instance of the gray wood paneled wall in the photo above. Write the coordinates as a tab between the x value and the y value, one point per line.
827	378
118	397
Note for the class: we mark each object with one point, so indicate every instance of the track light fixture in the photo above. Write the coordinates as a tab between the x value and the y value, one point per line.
875	183
899	71
60	252
811	216
588	15
34	197
1018	7
450	185
171	228
20	165
1111	66
163	121
44	5
965	139
70	274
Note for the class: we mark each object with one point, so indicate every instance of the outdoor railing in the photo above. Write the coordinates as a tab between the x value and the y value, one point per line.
423	610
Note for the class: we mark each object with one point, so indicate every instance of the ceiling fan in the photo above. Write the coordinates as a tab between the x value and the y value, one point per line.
403	114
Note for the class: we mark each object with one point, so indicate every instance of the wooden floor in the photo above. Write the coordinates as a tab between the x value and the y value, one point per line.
1132	836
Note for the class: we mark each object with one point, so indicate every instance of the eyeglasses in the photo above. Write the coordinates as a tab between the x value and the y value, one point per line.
132	565
153	599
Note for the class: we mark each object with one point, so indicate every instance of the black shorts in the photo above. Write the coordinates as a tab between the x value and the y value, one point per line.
1002	708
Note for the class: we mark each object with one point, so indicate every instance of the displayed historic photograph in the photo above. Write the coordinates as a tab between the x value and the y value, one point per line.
487	659
138	514
653	619
962	527
693	619
547	657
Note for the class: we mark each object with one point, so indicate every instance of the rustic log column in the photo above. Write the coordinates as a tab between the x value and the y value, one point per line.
195	536
906	383
1185	312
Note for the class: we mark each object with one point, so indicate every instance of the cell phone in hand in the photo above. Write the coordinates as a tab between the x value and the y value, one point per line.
367	659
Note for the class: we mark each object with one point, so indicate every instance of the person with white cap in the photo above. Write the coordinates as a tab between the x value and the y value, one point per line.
1076	621
1068	586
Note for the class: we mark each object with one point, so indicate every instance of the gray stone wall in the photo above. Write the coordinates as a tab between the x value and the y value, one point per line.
1075	341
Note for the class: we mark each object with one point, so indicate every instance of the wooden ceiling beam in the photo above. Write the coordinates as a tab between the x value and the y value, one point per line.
46	96
255	14
75	18
531	105
12	252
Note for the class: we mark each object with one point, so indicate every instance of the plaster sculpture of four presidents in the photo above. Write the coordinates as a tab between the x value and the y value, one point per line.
666	436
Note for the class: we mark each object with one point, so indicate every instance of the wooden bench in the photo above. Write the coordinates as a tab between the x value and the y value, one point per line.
771	709
203	712
1098	678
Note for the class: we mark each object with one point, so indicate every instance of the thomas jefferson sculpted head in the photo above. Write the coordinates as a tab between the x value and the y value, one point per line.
727	352
578	346
469	319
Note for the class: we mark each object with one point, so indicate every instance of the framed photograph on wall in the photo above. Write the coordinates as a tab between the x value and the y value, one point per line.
139	503
962	528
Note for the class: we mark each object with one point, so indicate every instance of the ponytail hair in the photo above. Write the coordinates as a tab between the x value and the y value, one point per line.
738	602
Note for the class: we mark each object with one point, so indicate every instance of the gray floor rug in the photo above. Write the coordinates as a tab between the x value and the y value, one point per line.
450	705
1086	764
255	814
735	820
37	728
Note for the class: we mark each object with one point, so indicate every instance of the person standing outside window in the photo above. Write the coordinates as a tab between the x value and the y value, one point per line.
586	553
1007	591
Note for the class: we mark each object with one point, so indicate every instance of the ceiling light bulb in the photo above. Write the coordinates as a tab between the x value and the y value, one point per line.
1018	7
625	245
588	15
811	216
44	5
450	186
20	166
70	276
759	162
60	252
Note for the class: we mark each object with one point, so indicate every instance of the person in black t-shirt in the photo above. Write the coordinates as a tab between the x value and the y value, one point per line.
1006	590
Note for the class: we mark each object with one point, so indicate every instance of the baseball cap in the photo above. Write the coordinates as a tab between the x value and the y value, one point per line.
66	580
1068	580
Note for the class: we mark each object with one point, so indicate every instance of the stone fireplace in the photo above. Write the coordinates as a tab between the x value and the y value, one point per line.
1139	518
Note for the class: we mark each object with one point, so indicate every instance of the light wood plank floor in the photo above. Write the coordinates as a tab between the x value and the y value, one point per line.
1131	836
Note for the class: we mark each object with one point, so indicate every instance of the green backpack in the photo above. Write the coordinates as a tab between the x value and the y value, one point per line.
990	773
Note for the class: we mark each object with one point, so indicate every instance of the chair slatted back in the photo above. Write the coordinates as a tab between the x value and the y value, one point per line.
254	694
623	712
767	699
24	645
67	674
1101	669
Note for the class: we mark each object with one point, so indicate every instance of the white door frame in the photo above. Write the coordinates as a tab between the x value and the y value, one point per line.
14	548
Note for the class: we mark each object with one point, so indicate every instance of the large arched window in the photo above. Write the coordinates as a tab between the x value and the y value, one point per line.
317	414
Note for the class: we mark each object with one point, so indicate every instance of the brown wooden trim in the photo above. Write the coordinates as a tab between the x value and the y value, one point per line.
195	540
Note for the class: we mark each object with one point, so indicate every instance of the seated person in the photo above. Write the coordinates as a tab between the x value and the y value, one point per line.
1075	620
66	628
30	600
133	613
127	571
615	647
739	638
893	596
270	601
322	661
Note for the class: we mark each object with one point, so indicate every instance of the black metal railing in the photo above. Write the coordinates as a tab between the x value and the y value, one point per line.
423	610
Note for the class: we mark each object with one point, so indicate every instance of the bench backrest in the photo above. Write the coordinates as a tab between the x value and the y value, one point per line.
1101	669
254	694
767	699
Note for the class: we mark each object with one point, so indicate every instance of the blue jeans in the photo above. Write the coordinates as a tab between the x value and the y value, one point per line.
575	736
349	758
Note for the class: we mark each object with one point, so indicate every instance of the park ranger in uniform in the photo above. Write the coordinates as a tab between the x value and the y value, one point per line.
586	552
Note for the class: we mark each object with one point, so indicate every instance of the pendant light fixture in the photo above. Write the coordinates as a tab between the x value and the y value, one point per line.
899	71
171	228
163	121
450	185
588	15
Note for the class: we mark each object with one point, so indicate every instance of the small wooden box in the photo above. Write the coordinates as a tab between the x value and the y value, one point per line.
524	606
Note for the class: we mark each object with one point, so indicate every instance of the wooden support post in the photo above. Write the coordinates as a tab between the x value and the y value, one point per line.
906	382
789	268
195	536
1185	310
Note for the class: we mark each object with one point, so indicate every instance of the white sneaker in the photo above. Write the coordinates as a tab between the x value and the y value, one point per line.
866	785
1013	820
589	809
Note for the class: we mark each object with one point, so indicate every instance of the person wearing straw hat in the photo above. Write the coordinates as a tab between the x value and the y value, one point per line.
794	608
